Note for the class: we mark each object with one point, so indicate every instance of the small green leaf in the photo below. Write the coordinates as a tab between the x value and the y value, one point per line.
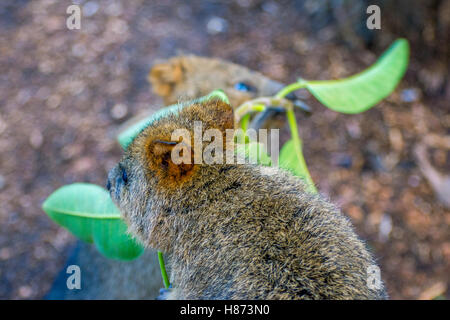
128	135
290	160
362	91
255	152
88	212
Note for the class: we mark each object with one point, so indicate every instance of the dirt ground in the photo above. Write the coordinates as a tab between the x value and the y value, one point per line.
65	92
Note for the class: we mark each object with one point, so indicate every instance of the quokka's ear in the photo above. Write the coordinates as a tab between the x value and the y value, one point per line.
171	161
164	76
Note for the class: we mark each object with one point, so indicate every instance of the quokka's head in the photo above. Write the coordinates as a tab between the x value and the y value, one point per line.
162	158
191	76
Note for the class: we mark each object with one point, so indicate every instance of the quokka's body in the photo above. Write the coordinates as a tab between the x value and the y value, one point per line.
236	231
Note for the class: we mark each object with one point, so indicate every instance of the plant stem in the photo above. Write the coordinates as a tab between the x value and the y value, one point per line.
289	88
294	133
245	121
244	126
246	108
298	148
162	266
242	116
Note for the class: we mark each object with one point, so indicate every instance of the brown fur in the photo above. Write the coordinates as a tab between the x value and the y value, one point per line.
238	231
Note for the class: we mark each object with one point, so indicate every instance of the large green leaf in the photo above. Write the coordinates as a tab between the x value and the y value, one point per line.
127	136
88	212
364	90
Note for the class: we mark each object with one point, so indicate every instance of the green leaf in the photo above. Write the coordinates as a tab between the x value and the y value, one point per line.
128	135
362	91
255	152
88	212
290	161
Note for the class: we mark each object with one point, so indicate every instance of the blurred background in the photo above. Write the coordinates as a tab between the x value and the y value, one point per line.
64	93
